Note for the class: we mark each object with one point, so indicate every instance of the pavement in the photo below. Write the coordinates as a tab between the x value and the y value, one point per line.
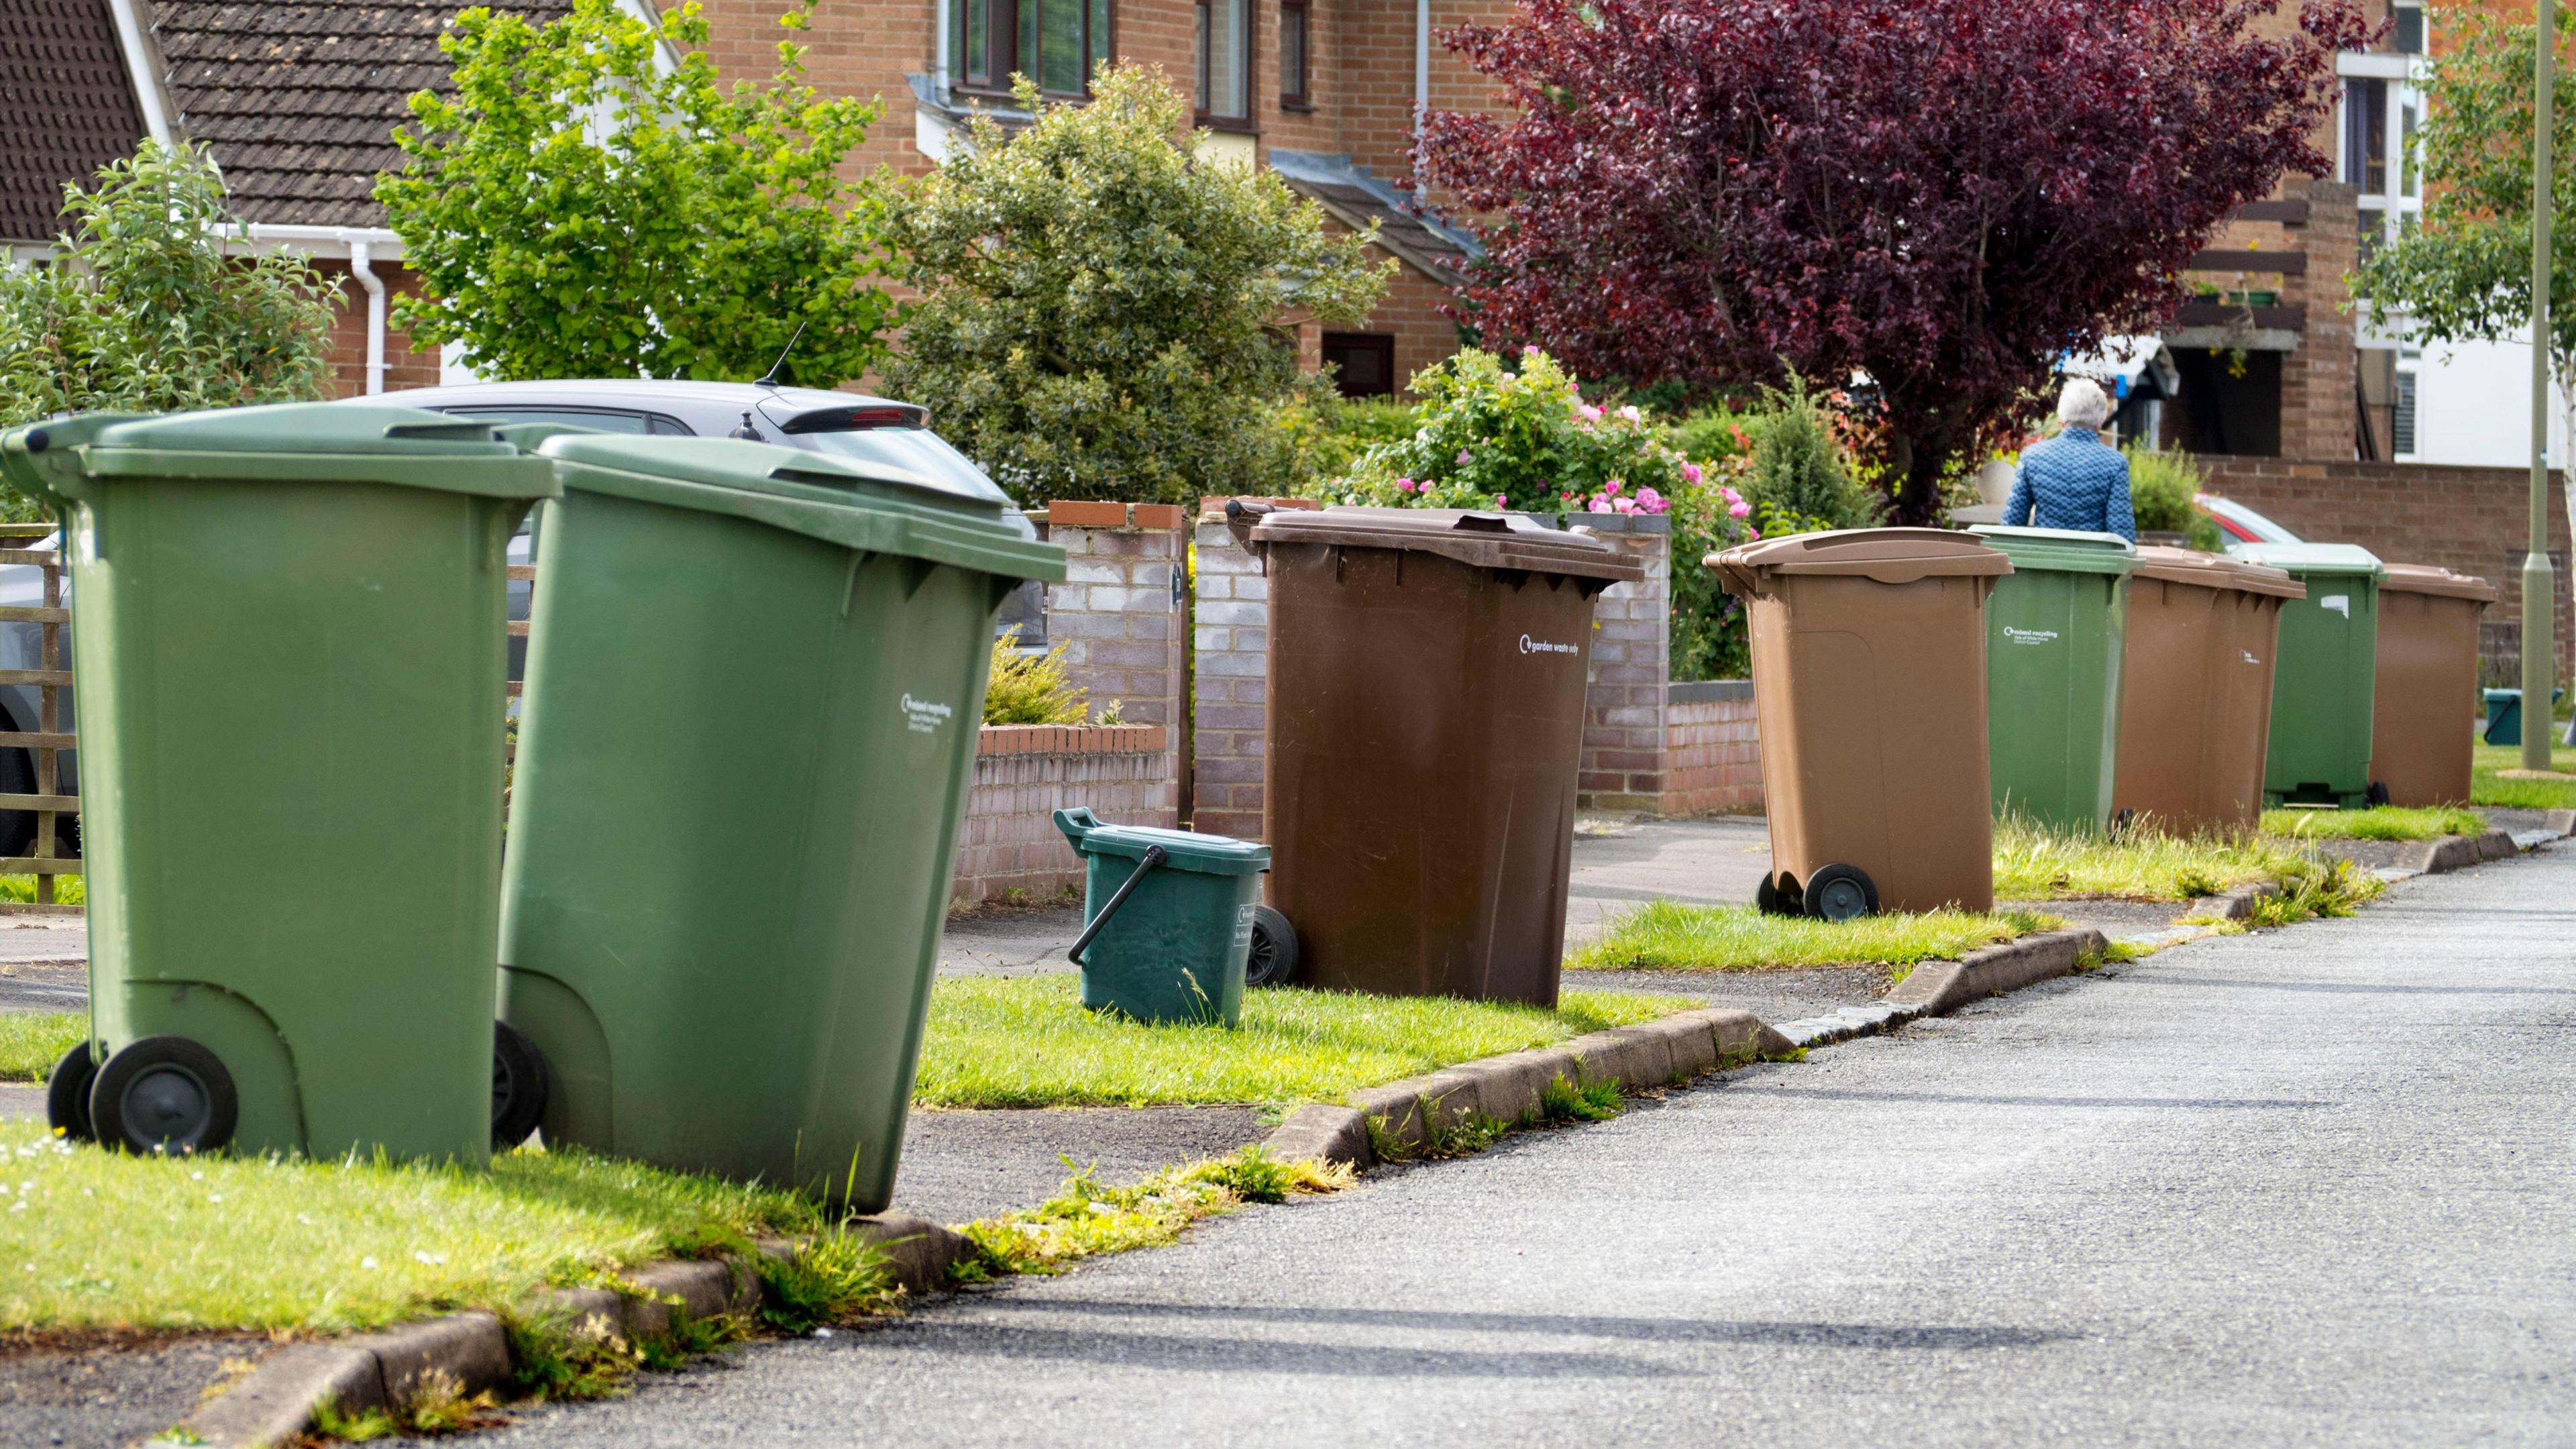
2297	1187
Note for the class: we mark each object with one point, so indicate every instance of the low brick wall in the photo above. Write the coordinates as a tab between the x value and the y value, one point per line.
1024	773
1712	750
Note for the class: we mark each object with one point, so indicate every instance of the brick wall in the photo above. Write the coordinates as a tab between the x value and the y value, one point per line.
403	367
1229	678
1623	709
2472	520
1712	749
1119	619
1009	848
2319	412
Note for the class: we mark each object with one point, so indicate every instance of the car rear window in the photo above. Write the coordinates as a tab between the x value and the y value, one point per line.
603	420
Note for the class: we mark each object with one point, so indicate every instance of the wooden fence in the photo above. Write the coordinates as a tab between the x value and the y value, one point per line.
43	745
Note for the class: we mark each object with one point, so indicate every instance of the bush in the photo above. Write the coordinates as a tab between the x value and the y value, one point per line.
1799	468
1099	310
1031	690
2162	490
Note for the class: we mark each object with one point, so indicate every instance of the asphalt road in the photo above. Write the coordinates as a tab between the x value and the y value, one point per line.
2310	1187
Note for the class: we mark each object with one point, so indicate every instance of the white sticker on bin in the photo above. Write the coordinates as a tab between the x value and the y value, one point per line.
923	716
2340	603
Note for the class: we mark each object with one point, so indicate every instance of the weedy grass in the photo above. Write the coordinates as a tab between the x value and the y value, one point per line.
1085	1219
1027	1042
1563	1101
93	1239
2321	888
32	1041
1672	936
2038	863
2385	822
2488	785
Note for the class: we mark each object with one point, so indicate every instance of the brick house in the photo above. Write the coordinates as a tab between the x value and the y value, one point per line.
1323	91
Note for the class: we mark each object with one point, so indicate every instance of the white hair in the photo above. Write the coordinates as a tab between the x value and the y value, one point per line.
2083	404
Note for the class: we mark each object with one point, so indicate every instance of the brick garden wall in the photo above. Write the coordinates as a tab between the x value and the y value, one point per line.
2472	520
1623	709
1023	775
1230	678
1118	616
1712	750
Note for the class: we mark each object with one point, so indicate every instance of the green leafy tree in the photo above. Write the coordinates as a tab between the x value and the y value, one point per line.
577	210
143	310
2464	273
1100	313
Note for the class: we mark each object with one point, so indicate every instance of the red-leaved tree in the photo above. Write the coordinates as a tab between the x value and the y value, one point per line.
1943	194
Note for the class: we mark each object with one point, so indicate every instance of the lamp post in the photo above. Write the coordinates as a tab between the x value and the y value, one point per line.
2539	588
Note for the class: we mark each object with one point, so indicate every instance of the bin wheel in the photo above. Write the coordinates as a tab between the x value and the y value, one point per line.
1273	958
1779	895
1840	892
520	1085
1766	896
164	1094
67	1093
2377	794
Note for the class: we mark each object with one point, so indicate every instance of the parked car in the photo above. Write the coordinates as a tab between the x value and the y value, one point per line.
845	425
2239	525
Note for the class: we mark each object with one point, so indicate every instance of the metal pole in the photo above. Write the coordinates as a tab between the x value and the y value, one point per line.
2539	588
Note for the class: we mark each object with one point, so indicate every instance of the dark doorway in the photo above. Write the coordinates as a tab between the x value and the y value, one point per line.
2230	406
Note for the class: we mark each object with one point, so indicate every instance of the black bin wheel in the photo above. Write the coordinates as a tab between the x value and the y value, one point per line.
2376	795
1273	961
1769	899
164	1095
67	1093
1840	892
519	1086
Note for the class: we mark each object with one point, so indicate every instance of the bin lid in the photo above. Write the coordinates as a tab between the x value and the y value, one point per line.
2214	571
2426	579
1480	540
291	442
872	507
2348	560
2065	550
1187	849
1885	555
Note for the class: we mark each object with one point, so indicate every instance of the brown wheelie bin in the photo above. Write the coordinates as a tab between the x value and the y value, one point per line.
2194	722
1427	674
2421	736
1869	688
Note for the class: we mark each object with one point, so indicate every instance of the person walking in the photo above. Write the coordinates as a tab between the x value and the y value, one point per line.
2074	480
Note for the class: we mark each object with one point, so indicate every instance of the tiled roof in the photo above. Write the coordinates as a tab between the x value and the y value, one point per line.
299	102
66	108
1356	198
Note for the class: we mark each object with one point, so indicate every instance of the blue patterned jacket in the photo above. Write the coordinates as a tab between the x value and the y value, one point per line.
2073	480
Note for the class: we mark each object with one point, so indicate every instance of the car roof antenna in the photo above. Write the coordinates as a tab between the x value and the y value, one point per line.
746	431
769	379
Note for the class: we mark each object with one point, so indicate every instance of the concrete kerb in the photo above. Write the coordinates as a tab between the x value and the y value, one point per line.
1936	987
2456	852
275	1403
1397	1121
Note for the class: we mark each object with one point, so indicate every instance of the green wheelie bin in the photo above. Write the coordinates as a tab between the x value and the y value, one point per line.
2324	684
755	684
290	640
1167	919
2055	636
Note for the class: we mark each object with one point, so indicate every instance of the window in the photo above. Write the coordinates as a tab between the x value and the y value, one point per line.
1225	60
2401	432
1292	56
2379	155
2407	37
1057	43
1363	363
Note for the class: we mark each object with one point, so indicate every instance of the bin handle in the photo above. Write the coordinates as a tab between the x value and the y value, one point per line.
1240	516
1154	856
1076	822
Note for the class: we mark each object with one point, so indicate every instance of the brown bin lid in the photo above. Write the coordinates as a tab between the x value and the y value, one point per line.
1887	555
1479	540
2214	571
2426	579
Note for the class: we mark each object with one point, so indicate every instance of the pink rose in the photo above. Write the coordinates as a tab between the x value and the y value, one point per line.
1650	500
1600	503
1623	505
1462	457
1590	413
1739	509
1729	494
1631	414
1403	485
1691	471
1612	487
1502	502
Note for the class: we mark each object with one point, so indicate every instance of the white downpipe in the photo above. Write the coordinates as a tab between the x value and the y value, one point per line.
939	80
375	286
148	95
1421	76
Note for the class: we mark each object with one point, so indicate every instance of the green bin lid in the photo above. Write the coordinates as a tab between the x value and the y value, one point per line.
871	507
282	442
1187	849
2321	559
2066	550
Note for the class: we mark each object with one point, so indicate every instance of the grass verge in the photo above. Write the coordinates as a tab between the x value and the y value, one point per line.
2386	822
32	1041
94	1240
2487	785
2036	863
1671	936
1085	1219
1027	1042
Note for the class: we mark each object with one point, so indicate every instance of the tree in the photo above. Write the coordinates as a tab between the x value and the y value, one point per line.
1946	195
579	209
2464	273
1101	315
143	311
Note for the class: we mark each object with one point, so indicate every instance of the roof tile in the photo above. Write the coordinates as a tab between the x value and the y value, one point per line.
66	108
